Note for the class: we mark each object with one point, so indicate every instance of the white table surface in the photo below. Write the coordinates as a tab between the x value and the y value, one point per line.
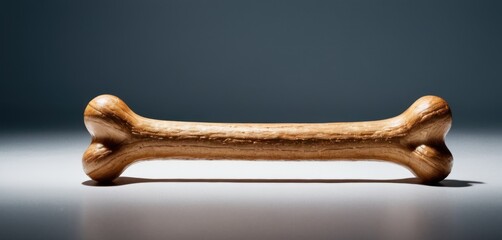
44	194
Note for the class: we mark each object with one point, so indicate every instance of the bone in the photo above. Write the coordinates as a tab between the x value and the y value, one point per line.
413	139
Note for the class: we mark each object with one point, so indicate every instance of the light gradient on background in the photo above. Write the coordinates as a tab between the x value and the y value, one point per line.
46	194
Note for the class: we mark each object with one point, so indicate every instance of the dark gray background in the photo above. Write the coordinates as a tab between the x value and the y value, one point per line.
248	61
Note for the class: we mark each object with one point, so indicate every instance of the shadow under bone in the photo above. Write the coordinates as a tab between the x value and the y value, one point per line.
120	181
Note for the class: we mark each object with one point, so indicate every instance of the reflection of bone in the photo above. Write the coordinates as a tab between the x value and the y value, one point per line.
414	139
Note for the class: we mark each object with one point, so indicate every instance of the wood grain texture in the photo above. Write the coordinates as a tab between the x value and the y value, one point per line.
414	139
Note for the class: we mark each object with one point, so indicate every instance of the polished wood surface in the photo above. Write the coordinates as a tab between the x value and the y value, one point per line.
414	139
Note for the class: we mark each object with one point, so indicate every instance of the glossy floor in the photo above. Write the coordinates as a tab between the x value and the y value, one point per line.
45	194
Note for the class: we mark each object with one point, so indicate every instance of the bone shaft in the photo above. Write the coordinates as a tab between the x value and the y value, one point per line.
375	131
264	151
359	140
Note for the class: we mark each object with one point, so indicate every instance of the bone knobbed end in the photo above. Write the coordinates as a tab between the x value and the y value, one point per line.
109	121
428	120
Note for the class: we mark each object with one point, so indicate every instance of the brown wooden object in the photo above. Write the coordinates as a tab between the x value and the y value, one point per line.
414	139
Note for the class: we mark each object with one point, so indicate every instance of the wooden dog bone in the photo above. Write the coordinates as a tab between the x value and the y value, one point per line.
414	139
